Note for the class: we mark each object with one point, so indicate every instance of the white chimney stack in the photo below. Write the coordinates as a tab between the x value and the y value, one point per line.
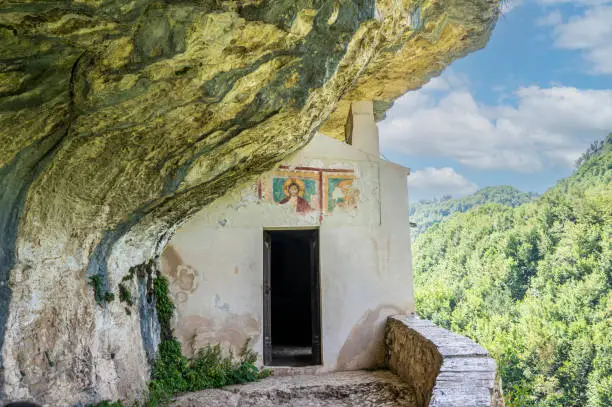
361	131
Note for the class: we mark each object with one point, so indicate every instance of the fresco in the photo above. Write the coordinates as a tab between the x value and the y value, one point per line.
307	189
296	192
299	190
340	193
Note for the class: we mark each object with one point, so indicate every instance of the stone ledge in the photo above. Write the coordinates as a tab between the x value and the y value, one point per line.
445	369
357	388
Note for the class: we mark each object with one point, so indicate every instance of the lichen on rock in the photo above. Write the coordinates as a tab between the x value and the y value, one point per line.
119	120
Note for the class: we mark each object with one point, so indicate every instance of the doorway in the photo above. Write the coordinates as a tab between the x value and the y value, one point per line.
292	328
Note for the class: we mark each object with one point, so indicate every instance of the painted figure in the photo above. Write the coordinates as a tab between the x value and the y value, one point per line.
307	190
294	191
343	194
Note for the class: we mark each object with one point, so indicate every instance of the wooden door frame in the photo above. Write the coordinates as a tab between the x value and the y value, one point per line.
315	297
267	297
315	293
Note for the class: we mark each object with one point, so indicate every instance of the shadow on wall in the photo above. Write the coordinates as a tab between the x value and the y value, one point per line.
365	345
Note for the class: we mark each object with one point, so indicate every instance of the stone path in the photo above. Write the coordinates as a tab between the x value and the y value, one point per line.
344	389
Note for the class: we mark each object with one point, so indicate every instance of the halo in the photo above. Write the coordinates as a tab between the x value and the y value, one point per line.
296	181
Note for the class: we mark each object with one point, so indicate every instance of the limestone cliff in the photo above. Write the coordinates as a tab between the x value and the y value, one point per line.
120	119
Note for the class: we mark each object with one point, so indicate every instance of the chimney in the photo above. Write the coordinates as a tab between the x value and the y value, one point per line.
360	129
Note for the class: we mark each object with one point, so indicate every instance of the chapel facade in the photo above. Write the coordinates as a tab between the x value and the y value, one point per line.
306	263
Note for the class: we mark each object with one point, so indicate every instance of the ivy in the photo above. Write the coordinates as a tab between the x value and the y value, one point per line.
163	305
100	295
125	295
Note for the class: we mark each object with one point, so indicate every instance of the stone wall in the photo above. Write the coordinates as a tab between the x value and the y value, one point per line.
446	369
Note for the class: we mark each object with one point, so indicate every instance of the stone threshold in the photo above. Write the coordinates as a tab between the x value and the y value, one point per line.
295	370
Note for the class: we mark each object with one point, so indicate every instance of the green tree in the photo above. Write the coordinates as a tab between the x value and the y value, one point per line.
532	284
427	213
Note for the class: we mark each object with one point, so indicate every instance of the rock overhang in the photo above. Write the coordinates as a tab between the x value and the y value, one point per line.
119	120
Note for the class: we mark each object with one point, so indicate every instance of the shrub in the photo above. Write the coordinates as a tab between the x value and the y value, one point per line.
174	373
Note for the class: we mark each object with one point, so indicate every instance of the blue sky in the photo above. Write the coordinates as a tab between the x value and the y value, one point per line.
518	112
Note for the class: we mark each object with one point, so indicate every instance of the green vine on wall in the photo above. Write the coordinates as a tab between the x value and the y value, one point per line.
100	295
125	295
163	305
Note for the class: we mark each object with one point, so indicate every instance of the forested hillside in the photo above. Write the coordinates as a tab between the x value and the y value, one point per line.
427	213
532	284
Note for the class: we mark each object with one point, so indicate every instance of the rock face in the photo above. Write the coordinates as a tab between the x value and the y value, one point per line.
119	120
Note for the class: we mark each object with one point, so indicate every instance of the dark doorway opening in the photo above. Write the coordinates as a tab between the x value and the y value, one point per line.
292	328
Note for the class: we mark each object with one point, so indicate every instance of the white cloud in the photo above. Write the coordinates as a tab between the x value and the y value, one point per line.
590	33
545	127
551	19
436	182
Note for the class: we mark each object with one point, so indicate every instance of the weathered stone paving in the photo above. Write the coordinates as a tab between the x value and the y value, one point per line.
344	389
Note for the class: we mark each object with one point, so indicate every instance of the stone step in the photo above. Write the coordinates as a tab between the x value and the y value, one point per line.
294	370
344	389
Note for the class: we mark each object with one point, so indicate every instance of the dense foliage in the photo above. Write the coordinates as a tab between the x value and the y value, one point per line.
532	284
164	306
427	213
174	373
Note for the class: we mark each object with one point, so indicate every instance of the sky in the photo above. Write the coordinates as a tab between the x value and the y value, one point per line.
518	112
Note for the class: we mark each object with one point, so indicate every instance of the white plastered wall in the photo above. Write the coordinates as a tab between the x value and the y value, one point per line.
215	261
